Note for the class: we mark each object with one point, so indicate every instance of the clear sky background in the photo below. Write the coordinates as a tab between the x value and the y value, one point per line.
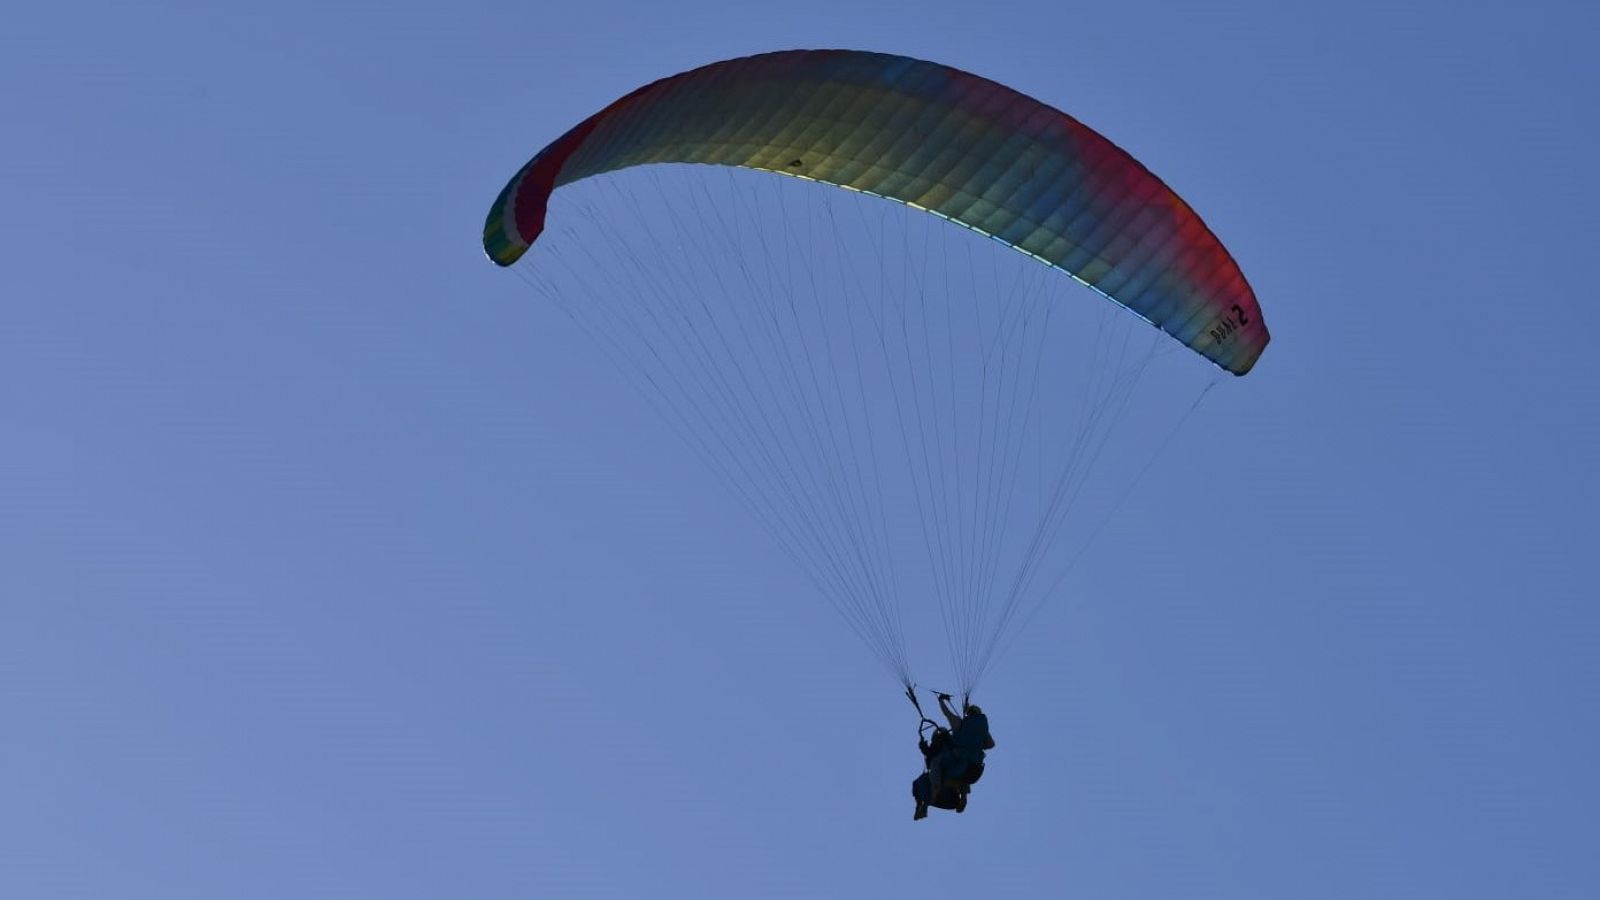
332	564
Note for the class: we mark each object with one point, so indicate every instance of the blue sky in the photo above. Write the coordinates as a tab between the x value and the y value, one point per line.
334	564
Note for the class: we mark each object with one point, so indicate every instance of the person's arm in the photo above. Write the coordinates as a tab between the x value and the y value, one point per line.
944	707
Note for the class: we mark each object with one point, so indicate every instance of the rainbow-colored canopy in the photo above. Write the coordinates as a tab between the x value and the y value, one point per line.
933	137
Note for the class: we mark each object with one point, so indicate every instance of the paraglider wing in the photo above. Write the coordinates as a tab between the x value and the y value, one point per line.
936	138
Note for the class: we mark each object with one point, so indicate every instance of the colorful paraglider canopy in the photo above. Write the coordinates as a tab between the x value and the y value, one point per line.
938	139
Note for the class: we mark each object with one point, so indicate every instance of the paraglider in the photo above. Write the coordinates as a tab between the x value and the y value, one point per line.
855	395
953	757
